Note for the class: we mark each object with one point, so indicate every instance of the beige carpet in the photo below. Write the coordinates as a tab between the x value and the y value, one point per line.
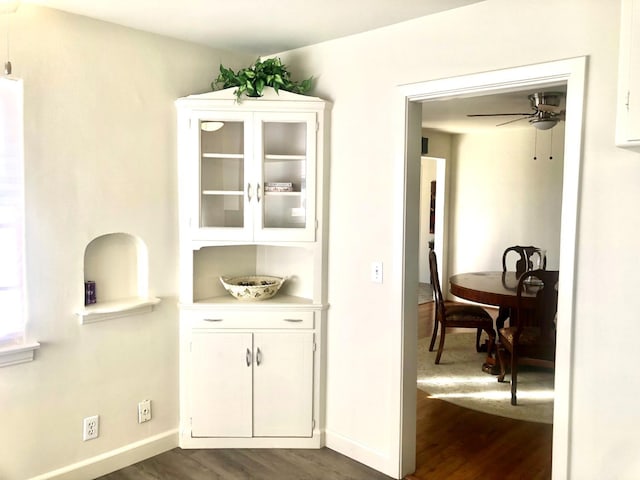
459	379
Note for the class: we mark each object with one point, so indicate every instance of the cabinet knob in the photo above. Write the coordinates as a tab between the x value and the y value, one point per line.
258	357
248	357
249	191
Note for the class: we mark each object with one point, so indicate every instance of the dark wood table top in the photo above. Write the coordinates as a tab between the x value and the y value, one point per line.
489	288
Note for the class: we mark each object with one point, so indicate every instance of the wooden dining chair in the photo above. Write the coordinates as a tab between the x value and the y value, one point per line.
450	315
530	338
522	256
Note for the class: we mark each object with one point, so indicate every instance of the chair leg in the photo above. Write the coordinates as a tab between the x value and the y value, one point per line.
441	345
478	333
514	379
503	362
503	314
492	343
435	330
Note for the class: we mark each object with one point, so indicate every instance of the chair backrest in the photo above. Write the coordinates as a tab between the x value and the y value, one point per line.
544	283
435	283
524	255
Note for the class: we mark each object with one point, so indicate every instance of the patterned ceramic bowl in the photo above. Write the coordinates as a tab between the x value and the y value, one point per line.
252	288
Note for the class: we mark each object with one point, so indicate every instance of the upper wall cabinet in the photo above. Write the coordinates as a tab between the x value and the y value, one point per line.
248	168
628	121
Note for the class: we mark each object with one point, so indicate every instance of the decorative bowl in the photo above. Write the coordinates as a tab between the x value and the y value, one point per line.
251	288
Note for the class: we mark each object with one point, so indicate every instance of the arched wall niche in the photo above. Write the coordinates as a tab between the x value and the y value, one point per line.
118	263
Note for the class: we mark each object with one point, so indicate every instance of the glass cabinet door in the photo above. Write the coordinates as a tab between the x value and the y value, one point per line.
223	186
287	175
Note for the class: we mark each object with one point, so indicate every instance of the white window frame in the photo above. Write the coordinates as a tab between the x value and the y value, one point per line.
14	348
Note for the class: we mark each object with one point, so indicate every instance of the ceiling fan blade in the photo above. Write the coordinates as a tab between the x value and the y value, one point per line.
496	114
513	121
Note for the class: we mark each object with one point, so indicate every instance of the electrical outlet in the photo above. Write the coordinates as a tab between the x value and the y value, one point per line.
144	411
91	428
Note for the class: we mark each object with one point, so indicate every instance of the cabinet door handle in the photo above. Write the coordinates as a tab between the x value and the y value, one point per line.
293	320
249	191
248	357
212	319
258	192
258	356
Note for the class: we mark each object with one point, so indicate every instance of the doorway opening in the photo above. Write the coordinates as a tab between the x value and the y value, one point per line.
572	72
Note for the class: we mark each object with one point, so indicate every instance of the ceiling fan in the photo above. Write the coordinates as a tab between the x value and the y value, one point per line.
545	115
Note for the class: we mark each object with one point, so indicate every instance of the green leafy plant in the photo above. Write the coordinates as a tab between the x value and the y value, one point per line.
252	80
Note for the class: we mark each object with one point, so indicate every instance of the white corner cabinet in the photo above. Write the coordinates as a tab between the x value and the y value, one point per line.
628	108
252	182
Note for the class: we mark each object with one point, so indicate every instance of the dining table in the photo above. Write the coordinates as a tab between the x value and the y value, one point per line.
494	288
490	288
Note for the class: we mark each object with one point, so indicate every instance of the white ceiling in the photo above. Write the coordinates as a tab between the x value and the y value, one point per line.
451	115
261	27
264	27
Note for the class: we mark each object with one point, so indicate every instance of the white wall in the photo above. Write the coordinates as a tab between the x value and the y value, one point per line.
100	152
359	74
501	196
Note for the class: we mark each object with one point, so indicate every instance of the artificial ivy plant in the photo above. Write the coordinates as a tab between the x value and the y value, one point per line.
263	73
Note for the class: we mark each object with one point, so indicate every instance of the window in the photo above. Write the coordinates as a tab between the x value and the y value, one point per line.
12	285
14	348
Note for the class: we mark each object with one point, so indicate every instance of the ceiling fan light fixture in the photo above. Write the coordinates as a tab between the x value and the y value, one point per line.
544	123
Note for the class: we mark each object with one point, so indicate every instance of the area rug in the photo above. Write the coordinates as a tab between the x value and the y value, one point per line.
459	379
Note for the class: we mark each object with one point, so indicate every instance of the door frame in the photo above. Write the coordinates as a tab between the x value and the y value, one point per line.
407	114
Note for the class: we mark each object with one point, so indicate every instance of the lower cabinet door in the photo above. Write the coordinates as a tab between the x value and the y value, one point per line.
221	374
283	384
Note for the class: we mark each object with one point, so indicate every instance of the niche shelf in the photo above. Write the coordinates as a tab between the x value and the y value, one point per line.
119	265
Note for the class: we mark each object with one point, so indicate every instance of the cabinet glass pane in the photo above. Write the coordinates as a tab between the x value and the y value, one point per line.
284	211
222	167
284	174
221	211
285	138
221	137
222	174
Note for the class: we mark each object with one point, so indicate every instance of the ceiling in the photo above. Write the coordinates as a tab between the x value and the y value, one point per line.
451	115
264	27
260	27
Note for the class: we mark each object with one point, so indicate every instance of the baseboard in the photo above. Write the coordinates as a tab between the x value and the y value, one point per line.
115	459
361	453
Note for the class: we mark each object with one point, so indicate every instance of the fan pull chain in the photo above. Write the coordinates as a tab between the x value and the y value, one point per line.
535	144
551	145
7	64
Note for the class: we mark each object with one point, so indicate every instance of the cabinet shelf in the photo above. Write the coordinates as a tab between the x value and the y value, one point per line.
283	194
223	155
115	309
279	301
270	156
222	192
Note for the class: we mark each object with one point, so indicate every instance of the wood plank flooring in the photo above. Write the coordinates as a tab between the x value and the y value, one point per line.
453	443
244	464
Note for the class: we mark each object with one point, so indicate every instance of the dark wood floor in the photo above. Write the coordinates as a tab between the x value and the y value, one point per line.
453	443
245	464
456	443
